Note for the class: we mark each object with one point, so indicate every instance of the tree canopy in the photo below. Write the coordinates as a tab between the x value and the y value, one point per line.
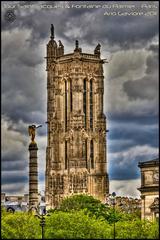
78	217
19	225
94	207
76	225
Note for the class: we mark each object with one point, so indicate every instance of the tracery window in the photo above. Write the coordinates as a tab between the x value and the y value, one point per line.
66	154
84	150
66	105
84	101
91	104
92	153
71	95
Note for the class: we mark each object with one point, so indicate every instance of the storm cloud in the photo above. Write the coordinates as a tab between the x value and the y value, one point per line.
130	43
145	87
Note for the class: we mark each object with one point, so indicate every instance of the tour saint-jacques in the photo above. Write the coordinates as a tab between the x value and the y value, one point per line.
76	148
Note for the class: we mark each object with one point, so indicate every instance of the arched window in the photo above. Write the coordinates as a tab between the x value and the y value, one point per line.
84	101
70	95
84	149
91	104
66	154
66	105
91	154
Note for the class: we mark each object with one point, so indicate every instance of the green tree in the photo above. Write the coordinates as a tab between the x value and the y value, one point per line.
78	202
76	225
19	226
137	229
91	206
84	220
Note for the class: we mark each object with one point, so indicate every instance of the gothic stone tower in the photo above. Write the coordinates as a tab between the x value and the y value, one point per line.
76	148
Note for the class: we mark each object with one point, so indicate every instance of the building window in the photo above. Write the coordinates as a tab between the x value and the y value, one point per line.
142	179
91	105
91	154
71	95
84	150
66	105
84	101
66	154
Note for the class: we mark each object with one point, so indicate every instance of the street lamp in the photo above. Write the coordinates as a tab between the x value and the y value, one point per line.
42	221
113	198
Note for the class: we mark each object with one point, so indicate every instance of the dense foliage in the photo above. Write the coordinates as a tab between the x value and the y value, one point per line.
137	229
19	226
78	217
95	207
76	225
91	205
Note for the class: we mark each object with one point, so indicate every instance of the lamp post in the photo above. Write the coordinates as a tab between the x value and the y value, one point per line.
114	203
42	221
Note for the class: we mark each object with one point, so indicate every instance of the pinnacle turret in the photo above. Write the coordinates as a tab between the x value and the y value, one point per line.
52	31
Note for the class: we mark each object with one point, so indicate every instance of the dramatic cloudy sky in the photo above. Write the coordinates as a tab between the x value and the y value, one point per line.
129	42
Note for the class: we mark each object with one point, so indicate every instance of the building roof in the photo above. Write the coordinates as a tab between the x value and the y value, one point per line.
149	163
149	189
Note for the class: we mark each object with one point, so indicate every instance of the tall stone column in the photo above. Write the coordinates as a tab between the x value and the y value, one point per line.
33	176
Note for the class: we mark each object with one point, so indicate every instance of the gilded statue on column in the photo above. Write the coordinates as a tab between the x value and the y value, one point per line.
32	132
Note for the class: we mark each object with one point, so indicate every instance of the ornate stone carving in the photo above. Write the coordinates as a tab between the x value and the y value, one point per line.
58	91
78	183
77	88
84	134
156	176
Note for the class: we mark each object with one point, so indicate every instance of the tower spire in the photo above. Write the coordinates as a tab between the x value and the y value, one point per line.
52	31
